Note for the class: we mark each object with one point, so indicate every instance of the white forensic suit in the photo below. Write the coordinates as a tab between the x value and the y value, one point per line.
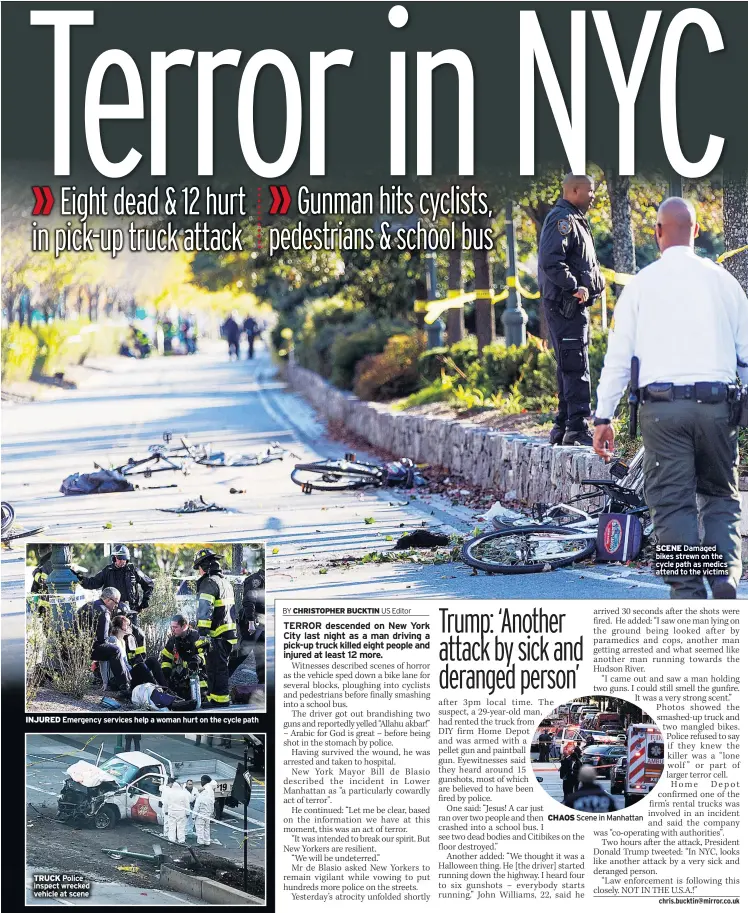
203	812
179	807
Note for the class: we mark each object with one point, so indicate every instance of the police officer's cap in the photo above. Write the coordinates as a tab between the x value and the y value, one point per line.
203	556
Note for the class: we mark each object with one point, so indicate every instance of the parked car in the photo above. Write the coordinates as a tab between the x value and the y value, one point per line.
602	757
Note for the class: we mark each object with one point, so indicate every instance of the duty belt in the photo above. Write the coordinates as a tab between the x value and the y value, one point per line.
699	392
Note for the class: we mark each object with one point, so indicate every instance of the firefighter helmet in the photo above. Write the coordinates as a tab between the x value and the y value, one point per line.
203	556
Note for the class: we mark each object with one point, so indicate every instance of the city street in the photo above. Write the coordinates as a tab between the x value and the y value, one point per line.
554	786
123	405
54	846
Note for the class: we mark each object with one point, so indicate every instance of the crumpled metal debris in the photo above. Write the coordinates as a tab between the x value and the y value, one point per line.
192	506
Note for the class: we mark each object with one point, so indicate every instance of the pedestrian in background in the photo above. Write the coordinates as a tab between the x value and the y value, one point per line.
132	739
570	281
686	320
252	330
231	334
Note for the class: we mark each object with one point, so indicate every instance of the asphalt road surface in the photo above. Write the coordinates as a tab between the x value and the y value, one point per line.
124	405
55	847
553	784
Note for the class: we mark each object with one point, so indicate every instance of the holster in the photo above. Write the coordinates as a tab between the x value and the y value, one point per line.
738	406
569	305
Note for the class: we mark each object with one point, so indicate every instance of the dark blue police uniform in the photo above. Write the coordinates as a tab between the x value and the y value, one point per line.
566	262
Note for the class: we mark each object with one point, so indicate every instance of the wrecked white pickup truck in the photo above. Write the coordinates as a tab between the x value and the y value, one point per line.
129	785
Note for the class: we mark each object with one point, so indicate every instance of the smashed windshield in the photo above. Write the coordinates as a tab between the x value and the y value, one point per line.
122	772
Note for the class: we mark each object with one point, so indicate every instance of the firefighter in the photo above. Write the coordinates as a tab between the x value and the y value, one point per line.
39	586
216	621
135	586
184	653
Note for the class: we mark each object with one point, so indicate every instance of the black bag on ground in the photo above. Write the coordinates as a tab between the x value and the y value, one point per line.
103	481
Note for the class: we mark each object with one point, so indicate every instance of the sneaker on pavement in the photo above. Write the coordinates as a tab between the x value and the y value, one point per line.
579	438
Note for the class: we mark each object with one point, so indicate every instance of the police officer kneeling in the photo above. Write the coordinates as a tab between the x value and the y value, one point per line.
686	320
216	622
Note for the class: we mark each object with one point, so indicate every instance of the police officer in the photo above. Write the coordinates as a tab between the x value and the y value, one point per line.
185	648
216	622
39	586
124	576
590	797
570	280
686	319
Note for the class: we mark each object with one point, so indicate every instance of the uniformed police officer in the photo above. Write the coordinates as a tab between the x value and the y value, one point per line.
570	280
686	319
135	586
216	621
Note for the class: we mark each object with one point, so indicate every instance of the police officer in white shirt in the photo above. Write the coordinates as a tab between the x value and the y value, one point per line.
686	319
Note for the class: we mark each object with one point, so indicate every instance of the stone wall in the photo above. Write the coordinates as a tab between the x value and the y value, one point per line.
521	468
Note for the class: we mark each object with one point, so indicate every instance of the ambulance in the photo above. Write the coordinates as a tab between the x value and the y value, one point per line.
645	761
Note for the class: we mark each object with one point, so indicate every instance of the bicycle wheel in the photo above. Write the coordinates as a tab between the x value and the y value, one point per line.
337	475
8	516
527	550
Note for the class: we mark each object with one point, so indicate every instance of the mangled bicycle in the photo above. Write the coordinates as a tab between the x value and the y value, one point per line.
349	474
565	533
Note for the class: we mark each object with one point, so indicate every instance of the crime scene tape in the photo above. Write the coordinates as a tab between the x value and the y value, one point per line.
65	754
731	253
455	298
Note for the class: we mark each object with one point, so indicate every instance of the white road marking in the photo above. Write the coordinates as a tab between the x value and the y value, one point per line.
173	897
45	791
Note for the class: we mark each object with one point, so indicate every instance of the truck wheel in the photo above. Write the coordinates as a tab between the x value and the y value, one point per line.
218	808
106	818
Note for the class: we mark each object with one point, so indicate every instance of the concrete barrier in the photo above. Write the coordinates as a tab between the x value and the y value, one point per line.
205	889
521	468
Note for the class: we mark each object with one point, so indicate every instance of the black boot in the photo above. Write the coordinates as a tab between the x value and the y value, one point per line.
580	437
557	435
723	588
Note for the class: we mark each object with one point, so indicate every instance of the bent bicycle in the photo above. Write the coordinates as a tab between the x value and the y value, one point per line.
565	533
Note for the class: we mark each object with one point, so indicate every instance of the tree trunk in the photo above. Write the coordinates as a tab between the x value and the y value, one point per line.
455	316
735	214
485	327
624	258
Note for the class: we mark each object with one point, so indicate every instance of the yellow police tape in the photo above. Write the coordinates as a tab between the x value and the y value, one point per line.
731	253
65	754
457	299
